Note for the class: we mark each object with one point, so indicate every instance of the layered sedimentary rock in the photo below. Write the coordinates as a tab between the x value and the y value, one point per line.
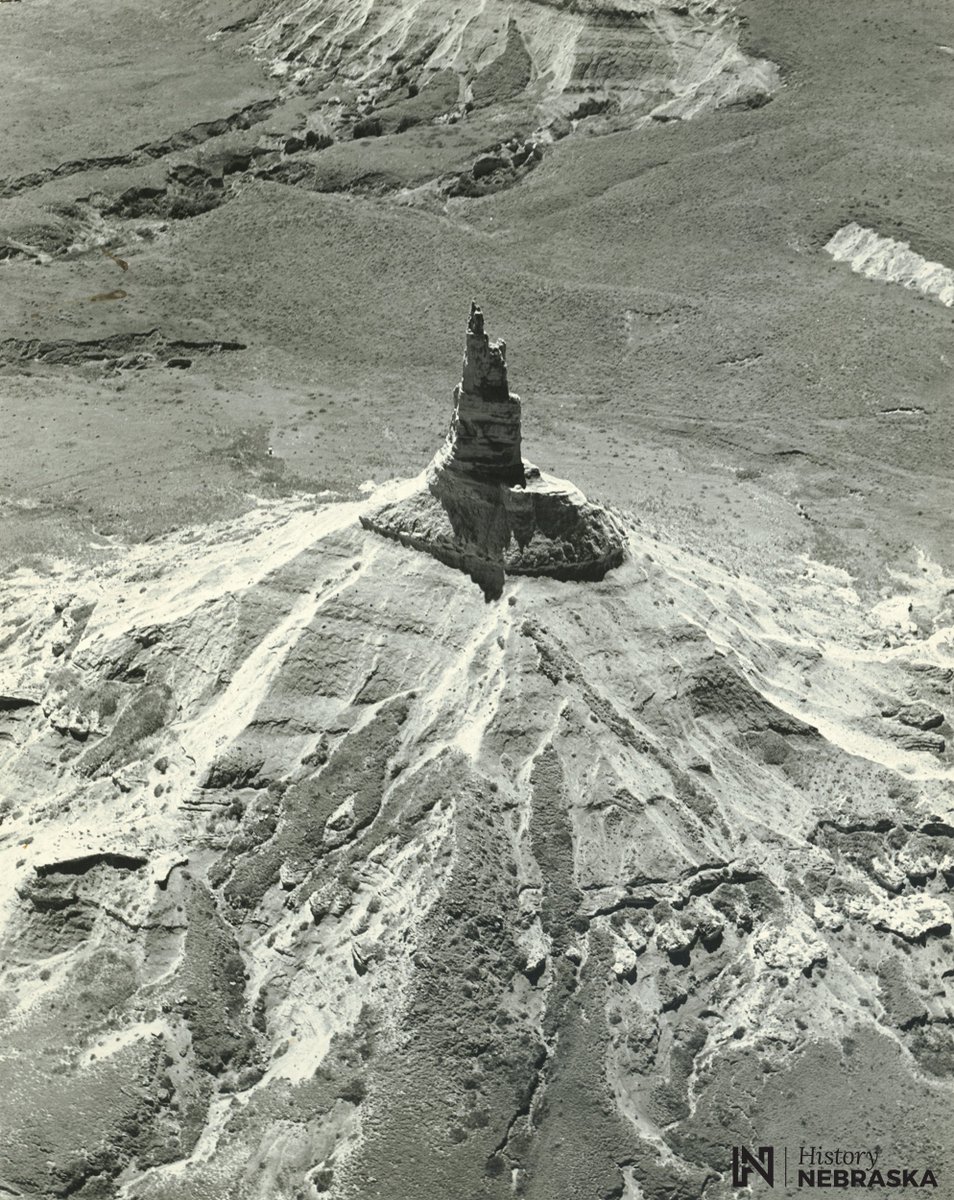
486	511
484	441
661	58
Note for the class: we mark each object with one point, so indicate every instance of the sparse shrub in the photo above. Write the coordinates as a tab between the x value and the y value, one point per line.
353	1090
143	716
367	127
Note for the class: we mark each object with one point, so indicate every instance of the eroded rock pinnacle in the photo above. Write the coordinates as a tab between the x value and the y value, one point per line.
485	429
486	511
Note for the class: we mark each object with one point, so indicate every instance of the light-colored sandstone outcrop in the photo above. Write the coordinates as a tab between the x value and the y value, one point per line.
343	860
661	59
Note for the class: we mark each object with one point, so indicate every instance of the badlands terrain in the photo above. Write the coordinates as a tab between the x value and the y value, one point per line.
329	869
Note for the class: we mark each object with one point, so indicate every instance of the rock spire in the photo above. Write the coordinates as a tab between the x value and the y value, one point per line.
486	511
485	429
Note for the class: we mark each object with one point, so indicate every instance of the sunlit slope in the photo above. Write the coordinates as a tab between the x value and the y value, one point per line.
322	875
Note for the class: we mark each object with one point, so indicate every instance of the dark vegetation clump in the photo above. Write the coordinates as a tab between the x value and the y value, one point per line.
144	715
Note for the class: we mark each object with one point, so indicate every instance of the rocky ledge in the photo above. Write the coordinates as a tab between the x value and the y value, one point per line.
486	511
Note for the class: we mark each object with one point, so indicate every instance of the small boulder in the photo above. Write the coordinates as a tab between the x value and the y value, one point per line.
361	957
675	941
331	900
796	947
638	938
826	918
367	127
914	918
290	875
71	721
920	716
711	933
534	968
624	964
929	741
888	874
672	994
486	164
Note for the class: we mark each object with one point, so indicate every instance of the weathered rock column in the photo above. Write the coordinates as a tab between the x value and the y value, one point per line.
482	509
484	439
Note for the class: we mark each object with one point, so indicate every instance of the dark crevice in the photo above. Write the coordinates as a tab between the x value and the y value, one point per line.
882	825
938	829
624	902
195	135
86	862
699	881
539	1065
702	885
141	926
123	351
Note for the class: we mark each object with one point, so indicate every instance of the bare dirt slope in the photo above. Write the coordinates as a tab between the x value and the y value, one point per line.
324	876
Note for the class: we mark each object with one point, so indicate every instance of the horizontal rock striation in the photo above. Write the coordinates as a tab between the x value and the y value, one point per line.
483	509
658	59
485	429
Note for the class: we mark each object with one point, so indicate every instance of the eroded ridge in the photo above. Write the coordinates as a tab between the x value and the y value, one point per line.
486	511
889	261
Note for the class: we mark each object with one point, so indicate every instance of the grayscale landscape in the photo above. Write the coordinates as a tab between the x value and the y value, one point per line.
476	596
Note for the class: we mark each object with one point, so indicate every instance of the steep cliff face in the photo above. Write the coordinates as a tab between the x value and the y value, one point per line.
481	508
657	57
321	877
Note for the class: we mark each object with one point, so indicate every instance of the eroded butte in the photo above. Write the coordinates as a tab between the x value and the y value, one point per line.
482	508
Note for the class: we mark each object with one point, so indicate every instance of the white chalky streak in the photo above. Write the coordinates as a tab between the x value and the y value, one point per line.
890	261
